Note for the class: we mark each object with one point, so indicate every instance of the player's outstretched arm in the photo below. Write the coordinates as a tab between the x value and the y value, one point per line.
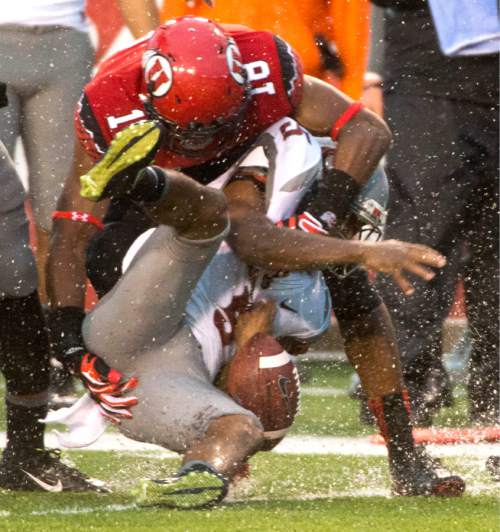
257	241
66	283
397	258
66	277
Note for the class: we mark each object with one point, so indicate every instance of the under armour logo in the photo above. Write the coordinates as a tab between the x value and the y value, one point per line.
79	217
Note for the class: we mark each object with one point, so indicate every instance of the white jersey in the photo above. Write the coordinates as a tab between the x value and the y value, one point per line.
292	163
68	13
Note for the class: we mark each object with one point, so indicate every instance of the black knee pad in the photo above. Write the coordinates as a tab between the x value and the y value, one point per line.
352	296
106	251
24	349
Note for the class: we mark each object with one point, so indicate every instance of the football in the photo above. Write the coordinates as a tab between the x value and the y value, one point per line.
263	379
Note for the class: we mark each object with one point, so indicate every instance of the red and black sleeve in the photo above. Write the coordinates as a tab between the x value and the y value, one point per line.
292	71
88	130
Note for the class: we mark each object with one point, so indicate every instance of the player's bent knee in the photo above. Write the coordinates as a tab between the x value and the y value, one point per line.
213	211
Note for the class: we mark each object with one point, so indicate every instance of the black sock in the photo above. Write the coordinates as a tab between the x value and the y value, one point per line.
393	419
24	431
150	185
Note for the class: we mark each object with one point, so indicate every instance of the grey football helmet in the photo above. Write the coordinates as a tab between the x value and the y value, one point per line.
370	206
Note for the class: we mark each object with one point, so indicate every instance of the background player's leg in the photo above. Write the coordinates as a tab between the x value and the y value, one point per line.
481	231
23	341
24	363
47	121
64	58
417	183
24	350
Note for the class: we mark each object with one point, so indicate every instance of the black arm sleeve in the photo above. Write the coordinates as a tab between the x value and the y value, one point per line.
292	70
88	125
335	193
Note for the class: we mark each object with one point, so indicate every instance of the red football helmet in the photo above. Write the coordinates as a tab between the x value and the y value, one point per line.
196	85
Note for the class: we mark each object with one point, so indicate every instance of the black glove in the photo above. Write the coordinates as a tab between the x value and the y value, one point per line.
65	335
330	57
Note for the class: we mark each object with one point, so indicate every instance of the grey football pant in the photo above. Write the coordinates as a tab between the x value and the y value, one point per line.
18	276
45	68
139	328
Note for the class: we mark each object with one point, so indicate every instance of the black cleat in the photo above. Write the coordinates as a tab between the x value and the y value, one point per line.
424	476
493	467
43	470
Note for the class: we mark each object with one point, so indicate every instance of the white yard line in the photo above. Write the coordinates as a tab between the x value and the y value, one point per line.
316	445
86	510
364	447
319	391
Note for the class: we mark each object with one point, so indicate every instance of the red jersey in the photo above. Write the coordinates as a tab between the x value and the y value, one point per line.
111	100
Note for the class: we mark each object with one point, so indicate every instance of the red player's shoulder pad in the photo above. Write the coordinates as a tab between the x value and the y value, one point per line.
121	69
110	101
283	60
234	29
122	60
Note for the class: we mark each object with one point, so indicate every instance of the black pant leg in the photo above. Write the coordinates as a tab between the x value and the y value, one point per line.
479	132
428	191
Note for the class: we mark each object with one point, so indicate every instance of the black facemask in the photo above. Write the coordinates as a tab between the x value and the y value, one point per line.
199	141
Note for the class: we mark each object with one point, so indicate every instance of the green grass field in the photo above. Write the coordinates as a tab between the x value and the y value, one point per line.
288	493
284	493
